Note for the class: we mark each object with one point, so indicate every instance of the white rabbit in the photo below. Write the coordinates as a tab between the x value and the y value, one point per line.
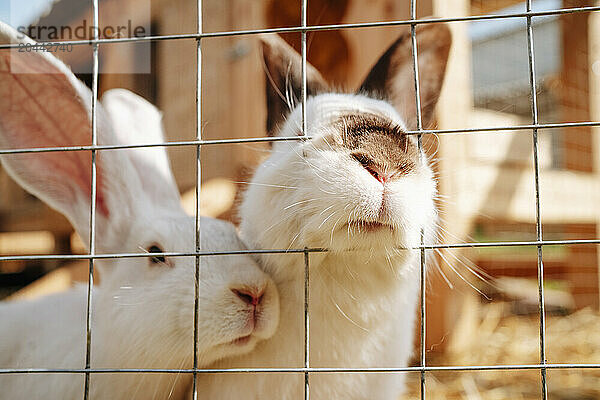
362	189
143	307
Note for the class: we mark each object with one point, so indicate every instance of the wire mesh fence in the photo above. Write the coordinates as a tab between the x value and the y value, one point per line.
532	128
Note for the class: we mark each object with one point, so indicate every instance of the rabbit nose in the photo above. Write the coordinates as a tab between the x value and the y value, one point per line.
249	296
377	173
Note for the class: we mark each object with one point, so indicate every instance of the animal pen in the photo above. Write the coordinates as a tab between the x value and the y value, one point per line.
518	148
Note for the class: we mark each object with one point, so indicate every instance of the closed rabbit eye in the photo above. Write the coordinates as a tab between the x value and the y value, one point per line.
364	161
368	165
160	259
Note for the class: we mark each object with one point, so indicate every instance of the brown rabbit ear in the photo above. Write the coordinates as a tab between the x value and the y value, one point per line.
392	78
283	69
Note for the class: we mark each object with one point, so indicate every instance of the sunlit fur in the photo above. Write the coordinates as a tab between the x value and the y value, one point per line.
142	318
364	291
143	311
318	188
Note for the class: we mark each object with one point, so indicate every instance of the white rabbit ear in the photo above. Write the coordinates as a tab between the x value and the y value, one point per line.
136	121
392	78
42	104
283	69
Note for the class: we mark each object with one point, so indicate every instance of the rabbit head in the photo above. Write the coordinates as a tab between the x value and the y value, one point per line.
138	210
360	182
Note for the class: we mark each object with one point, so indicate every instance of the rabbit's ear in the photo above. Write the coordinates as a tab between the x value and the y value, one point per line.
392	78
136	121
42	105
283	69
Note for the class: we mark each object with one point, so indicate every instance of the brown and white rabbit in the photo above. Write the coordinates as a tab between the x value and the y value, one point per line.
361	188
143	308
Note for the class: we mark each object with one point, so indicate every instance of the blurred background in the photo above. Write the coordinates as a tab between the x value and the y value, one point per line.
482	304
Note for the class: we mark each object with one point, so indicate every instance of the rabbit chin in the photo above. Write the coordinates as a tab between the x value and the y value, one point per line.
246	338
239	345
360	236
369	237
232	348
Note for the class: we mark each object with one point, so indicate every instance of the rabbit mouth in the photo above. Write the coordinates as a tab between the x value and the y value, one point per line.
369	226
242	340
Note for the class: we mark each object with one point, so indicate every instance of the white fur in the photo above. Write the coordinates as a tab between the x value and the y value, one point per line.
363	292
142	311
142	318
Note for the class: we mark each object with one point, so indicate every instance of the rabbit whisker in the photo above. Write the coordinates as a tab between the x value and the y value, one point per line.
326	219
266	184
293	240
301	202
461	276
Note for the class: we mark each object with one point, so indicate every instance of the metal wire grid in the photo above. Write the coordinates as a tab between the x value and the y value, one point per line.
413	36
543	366
329	27
538	219
198	186
92	243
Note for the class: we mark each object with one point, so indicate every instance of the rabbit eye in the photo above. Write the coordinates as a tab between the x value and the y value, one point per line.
157	259
364	161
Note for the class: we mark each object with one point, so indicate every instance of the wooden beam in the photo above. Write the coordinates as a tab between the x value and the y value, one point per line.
489	6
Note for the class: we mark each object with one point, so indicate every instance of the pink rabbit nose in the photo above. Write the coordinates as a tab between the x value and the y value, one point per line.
249	296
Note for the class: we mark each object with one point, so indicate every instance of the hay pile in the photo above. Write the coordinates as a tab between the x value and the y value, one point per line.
502	338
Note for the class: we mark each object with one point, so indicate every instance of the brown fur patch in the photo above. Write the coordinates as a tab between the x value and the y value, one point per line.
283	69
377	142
